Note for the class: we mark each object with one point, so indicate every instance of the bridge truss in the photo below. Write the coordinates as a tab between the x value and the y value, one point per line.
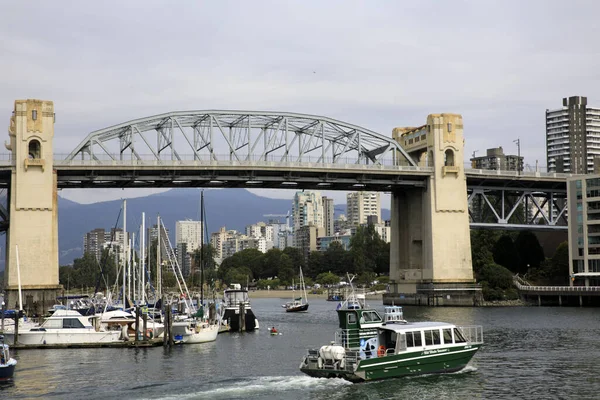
239	136
502	207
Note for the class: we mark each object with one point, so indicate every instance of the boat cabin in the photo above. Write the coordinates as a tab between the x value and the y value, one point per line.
420	336
356	325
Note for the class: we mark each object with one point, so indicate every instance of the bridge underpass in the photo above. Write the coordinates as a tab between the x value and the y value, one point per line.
430	207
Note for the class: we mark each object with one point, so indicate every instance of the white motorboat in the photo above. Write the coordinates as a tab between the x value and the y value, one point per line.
193	330
65	327
124	321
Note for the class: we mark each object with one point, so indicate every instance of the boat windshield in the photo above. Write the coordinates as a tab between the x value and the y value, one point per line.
234	298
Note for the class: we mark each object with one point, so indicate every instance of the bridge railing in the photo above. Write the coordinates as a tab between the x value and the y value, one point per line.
525	286
529	174
252	162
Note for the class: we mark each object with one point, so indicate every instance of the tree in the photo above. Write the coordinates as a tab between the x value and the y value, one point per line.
286	271
327	278
249	259
335	259
317	263
270	261
363	246
482	243
505	253
559	265
530	253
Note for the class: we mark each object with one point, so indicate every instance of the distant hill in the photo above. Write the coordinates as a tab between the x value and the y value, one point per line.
232	208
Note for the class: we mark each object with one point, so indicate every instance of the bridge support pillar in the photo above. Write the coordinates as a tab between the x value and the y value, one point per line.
33	215
430	249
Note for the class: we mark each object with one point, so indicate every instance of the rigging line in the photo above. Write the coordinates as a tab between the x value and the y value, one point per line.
105	255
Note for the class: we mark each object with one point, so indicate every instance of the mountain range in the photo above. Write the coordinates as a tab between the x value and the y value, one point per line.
232	208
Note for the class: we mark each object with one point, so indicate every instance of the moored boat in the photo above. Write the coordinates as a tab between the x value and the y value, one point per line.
65	327
367	348
237	311
7	364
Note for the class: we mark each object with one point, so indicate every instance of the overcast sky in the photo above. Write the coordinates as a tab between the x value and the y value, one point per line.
377	64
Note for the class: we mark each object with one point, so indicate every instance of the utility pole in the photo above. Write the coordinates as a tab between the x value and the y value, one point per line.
518	142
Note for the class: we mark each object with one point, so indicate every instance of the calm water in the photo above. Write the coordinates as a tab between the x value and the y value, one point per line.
530	353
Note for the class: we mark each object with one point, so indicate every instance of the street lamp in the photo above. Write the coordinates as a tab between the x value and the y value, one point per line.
518	142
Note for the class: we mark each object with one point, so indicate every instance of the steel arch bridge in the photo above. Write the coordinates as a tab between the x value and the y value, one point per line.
218	135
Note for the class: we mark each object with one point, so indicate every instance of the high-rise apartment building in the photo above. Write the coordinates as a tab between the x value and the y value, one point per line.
93	243
495	159
328	216
189	232
573	137
360	205
307	208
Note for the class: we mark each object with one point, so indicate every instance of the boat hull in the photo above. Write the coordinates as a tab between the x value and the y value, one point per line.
59	336
434	361
300	308
231	316
203	335
8	370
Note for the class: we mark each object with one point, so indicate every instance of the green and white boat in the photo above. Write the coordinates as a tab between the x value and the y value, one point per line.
367	347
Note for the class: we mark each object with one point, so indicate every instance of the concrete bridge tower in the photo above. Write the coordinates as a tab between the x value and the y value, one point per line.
430	253
33	208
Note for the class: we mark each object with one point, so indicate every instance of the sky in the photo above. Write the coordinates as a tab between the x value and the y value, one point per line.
376	64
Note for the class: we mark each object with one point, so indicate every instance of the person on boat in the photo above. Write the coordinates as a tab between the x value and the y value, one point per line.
273	330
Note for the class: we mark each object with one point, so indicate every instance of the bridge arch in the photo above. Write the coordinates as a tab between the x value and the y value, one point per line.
219	135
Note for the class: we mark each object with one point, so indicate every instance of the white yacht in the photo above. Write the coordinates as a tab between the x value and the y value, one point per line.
64	327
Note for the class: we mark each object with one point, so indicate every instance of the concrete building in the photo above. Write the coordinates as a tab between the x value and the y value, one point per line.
189	232
307	208
495	159
93	243
583	195
340	224
573	137
361	205
328	216
324	242
384	230
306	238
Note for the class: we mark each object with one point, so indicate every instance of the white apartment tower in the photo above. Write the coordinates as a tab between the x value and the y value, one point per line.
328	216
307	208
573	137
361	205
190	233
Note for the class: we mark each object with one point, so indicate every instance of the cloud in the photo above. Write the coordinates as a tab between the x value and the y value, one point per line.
374	64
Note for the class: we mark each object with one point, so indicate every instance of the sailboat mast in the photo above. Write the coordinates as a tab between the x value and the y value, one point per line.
158	265
124	248
143	250
201	247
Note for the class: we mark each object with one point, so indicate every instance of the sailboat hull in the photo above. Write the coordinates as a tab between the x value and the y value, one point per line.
300	308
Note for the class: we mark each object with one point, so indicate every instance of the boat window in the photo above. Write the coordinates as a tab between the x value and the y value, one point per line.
52	324
371	316
72	323
458	337
428	338
447	335
351	318
413	339
436	336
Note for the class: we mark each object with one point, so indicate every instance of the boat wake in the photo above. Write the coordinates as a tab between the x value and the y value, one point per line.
264	387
